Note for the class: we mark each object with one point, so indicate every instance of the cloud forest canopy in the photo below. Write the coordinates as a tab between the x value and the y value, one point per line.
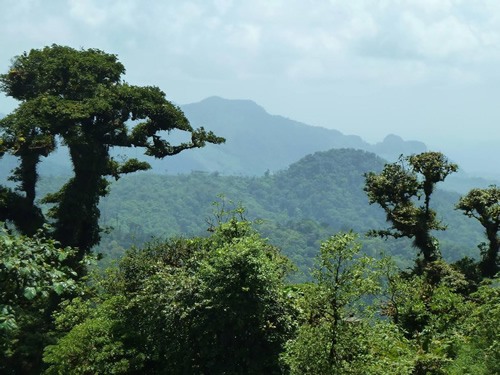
79	98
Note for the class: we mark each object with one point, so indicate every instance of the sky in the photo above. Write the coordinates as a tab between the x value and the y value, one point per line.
426	70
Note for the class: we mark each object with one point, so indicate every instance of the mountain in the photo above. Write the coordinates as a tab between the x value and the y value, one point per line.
256	142
393	146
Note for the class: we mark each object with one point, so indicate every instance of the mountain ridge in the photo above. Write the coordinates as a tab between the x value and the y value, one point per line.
313	198
257	142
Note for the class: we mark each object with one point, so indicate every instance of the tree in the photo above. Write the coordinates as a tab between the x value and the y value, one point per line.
398	187
336	335
213	305
484	206
97	344
78	97
429	309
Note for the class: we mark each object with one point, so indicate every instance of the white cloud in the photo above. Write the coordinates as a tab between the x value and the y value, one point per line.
88	12
430	7
272	49
245	36
445	38
306	68
291	34
222	6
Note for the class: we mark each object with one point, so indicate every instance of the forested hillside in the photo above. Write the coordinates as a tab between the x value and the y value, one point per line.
300	206
256	142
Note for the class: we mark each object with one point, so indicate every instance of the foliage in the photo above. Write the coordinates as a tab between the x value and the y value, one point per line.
429	309
94	345
220	303
484	206
336	335
201	305
32	270
78	96
315	198
395	190
480	352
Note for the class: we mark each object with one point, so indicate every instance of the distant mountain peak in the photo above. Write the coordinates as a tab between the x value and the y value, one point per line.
393	145
214	99
392	138
244	106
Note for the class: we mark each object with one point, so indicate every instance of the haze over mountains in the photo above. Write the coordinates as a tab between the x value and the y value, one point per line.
256	142
314	186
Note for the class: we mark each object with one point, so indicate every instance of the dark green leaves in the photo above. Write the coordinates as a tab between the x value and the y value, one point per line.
484	206
78	96
59	70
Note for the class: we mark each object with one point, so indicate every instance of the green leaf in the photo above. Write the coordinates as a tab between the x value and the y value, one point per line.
30	292
59	287
62	256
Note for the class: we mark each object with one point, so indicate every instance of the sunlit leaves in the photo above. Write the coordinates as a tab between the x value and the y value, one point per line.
31	270
335	335
399	187
200	305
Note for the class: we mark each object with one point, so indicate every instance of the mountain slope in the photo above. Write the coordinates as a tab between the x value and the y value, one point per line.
302	205
257	141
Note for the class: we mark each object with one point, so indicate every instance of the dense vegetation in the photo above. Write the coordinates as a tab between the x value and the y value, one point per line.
224	302
78	98
221	304
299	207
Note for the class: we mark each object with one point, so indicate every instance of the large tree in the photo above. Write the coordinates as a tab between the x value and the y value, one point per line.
399	187
484	205
213	305
78	98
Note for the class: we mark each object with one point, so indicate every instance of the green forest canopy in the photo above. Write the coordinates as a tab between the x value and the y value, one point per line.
223	302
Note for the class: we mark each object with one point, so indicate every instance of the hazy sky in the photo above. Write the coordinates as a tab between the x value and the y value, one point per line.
424	69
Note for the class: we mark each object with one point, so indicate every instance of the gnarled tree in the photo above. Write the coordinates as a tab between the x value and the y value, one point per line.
397	190
79	98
